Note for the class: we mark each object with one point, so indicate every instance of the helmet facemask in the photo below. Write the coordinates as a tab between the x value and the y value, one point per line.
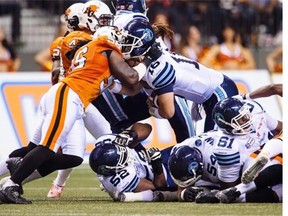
131	46
241	124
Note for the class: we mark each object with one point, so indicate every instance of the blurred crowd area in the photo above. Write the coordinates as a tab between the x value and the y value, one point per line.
222	34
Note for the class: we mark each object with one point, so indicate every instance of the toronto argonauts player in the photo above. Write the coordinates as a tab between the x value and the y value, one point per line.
244	128
130	174
169	74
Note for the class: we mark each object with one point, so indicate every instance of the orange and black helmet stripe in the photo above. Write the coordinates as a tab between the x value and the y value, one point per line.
58	119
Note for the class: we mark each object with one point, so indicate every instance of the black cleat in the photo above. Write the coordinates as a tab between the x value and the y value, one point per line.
158	196
11	195
207	197
228	195
13	163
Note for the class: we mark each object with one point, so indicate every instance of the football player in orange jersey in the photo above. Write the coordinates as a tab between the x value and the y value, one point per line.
81	27
63	109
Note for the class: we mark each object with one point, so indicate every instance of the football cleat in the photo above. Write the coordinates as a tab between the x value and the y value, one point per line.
158	196
120	197
252	172
13	163
228	195
11	194
207	197
55	191
5	179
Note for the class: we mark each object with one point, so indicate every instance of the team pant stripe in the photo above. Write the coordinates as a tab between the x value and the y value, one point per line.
278	157
58	118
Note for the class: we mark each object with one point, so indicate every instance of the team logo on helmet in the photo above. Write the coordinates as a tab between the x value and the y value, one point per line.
219	118
148	35
193	167
91	10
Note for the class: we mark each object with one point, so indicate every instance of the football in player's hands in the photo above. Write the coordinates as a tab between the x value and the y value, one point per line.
152	101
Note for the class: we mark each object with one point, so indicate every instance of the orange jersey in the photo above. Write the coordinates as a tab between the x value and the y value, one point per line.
89	68
55	48
68	44
226	55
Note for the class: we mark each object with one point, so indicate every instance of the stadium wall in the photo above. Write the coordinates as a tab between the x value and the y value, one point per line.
21	93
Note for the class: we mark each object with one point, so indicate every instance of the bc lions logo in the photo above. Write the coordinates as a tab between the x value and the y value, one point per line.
91	10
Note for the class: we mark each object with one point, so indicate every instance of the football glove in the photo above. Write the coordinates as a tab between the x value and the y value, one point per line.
154	154
189	194
125	138
154	52
155	157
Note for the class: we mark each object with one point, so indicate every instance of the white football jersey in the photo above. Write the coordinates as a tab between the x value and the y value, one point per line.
232	151
128	178
190	79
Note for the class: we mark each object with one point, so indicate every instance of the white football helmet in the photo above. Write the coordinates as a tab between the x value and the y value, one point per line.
112	33
72	16
94	15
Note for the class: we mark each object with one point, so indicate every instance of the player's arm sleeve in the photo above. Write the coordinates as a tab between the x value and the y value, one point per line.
272	123
161	76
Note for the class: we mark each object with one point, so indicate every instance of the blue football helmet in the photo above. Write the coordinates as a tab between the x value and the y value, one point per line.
107	158
138	37
185	165
135	6
233	116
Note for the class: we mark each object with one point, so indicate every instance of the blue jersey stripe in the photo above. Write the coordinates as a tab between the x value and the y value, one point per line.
165	77
186	113
133	184
228	159
114	105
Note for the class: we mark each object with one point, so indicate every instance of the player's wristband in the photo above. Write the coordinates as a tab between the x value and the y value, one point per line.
141	70
246	96
117	87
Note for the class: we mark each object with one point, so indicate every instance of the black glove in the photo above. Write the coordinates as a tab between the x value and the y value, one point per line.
156	160
189	194
125	138
154	52
207	197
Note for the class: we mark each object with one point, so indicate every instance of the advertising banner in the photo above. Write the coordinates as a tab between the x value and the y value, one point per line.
21	92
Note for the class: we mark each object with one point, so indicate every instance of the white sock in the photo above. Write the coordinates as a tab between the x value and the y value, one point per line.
9	183
35	175
62	177
242	198
272	148
139	196
3	167
245	188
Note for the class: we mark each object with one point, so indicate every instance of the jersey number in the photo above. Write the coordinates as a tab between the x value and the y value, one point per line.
115	180
80	60
210	167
